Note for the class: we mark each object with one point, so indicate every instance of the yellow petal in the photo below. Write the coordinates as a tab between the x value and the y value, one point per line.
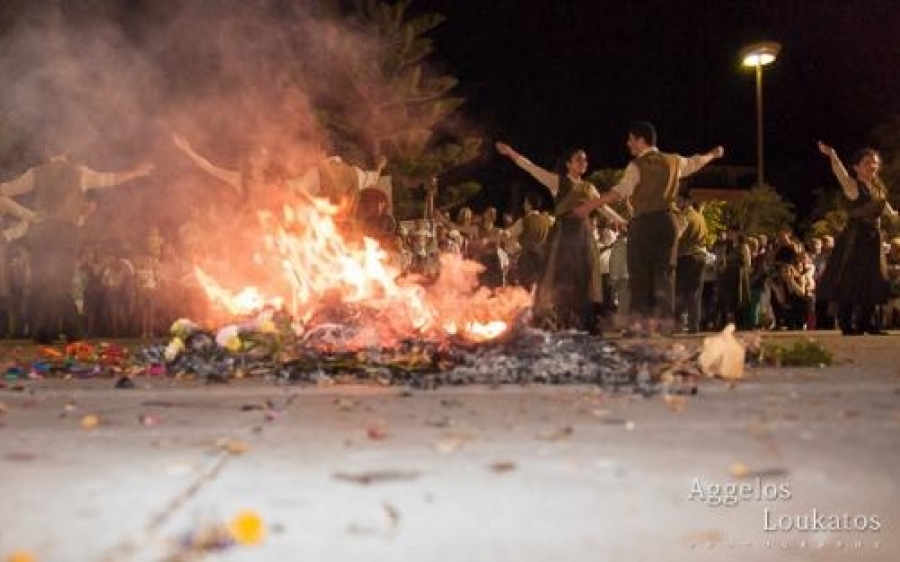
175	347
247	528
233	344
21	556
267	327
739	470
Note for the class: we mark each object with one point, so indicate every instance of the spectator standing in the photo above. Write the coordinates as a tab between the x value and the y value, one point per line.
689	268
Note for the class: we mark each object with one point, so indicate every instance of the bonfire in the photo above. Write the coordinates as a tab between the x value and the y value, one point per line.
331	308
354	291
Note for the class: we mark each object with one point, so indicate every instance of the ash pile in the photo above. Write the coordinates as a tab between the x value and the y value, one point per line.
522	356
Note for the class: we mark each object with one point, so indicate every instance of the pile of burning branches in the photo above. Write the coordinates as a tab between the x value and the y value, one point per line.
269	346
345	313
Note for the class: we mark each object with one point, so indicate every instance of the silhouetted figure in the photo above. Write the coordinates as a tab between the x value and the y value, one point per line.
60	190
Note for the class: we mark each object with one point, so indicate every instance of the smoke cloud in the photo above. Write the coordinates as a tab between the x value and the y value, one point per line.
109	82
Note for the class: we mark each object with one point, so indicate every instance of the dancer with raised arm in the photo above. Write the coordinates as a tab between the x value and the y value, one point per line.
254	180
651	180
855	276
60	189
265	182
568	286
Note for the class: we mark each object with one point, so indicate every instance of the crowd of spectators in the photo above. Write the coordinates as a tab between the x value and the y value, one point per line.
756	282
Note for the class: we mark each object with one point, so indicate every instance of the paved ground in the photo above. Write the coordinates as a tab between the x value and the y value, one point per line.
467	474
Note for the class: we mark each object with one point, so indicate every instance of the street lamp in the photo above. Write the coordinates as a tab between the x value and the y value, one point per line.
757	56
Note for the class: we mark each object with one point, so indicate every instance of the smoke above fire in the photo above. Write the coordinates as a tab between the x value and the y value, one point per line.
109	82
114	84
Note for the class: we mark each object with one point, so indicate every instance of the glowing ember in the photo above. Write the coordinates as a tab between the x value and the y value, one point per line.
484	332
247	301
327	280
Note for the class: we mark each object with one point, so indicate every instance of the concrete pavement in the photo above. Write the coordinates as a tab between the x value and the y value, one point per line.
464	474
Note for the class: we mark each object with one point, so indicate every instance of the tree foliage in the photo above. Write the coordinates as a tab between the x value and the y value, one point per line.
830	223
394	103
411	204
714	213
604	179
887	137
763	211
399	107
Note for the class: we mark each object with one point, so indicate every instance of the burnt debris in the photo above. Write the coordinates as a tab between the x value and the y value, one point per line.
521	357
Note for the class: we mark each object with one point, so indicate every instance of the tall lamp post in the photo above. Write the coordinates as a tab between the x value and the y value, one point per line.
757	56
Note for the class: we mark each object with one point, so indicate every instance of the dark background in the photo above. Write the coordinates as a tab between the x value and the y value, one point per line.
544	75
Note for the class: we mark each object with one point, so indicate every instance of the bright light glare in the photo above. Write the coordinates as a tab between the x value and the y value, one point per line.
761	59
760	54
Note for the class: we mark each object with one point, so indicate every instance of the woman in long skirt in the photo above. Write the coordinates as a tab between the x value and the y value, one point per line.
855	277
568	286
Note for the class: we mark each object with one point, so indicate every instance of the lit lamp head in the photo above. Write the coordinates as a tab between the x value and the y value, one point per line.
760	54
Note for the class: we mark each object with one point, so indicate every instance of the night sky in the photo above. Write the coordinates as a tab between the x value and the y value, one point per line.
542	75
548	74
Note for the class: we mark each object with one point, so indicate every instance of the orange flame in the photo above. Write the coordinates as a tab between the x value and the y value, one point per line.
322	270
245	302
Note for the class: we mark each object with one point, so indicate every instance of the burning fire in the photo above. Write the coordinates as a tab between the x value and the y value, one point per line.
328	281
478	332
247	301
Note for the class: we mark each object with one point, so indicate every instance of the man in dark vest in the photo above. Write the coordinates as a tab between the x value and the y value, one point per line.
60	196
651	180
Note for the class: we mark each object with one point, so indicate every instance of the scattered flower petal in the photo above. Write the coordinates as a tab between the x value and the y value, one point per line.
89	422
247	528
